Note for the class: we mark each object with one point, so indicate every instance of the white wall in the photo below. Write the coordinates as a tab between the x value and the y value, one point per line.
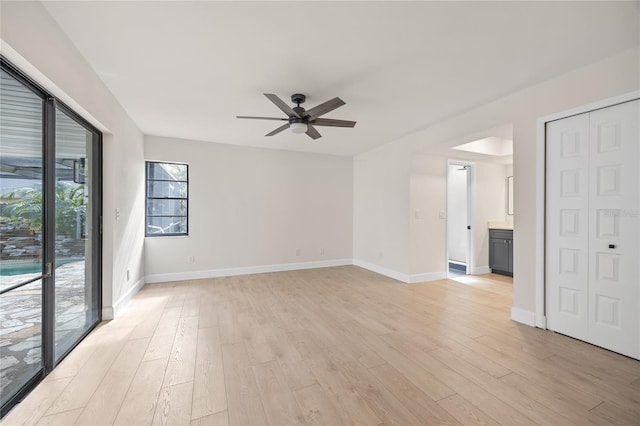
456	214
34	42
393	164
428	231
252	207
380	210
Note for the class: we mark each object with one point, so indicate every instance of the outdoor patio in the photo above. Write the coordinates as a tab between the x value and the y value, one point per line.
21	320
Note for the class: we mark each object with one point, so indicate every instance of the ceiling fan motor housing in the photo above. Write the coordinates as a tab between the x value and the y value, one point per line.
297	120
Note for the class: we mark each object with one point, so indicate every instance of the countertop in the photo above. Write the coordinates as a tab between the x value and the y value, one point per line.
501	225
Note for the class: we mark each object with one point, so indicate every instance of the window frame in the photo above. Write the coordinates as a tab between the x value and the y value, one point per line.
147	198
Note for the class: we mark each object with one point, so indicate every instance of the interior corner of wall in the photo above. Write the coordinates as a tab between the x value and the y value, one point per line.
107	313
523	316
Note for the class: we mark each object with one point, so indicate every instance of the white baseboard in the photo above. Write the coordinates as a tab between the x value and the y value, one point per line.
480	270
524	317
111	312
229	272
429	276
405	278
107	313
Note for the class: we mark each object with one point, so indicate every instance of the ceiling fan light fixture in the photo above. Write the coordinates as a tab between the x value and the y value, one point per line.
298	127
301	120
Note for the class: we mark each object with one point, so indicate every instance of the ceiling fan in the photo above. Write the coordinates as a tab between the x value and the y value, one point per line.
303	121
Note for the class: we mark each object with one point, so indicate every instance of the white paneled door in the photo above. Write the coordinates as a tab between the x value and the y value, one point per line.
592	227
567	225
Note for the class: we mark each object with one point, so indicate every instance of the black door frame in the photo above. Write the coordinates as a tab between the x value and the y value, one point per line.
50	104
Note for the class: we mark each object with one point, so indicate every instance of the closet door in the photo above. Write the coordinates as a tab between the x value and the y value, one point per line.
614	272
567	230
593	227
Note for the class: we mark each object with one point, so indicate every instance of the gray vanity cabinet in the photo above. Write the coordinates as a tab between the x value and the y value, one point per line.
501	251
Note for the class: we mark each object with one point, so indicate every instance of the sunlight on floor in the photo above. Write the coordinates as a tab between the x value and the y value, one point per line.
480	280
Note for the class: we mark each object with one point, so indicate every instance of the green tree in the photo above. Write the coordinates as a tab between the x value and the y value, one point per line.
25	206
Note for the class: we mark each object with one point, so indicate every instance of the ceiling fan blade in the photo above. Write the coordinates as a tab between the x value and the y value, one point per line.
282	105
333	123
324	108
278	130
312	132
261	118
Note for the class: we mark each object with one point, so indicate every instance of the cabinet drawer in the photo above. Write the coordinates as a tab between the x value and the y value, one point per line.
504	234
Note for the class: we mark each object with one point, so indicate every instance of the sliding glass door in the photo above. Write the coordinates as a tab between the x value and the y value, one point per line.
76	298
50	210
21	235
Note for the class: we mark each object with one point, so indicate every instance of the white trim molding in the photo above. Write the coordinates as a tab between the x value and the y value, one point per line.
481	270
107	313
399	276
229	272
523	317
540	191
428	276
111	312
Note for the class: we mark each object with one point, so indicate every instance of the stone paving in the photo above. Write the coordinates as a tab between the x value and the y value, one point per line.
21	322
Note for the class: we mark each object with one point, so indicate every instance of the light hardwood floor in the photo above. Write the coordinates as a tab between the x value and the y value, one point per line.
331	346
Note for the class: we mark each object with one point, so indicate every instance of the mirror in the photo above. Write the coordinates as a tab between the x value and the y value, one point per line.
510	195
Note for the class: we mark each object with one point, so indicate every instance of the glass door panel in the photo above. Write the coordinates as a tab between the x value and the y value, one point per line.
21	231
76	298
50	242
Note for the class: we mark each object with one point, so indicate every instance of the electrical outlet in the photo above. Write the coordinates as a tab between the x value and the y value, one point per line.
117	213
192	259
298	251
322	252
442	214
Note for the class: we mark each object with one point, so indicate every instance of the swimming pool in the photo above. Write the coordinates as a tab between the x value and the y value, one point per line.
19	268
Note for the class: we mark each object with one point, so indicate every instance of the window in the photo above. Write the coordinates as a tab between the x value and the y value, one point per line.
167	210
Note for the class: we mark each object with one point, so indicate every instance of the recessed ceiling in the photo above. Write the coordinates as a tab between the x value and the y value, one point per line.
492	145
186	69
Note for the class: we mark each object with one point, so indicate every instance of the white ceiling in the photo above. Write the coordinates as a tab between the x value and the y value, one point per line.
186	69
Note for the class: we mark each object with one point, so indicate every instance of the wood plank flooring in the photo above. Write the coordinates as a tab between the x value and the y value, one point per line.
331	346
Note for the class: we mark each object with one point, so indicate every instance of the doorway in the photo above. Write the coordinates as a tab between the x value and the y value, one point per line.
50	244
459	217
